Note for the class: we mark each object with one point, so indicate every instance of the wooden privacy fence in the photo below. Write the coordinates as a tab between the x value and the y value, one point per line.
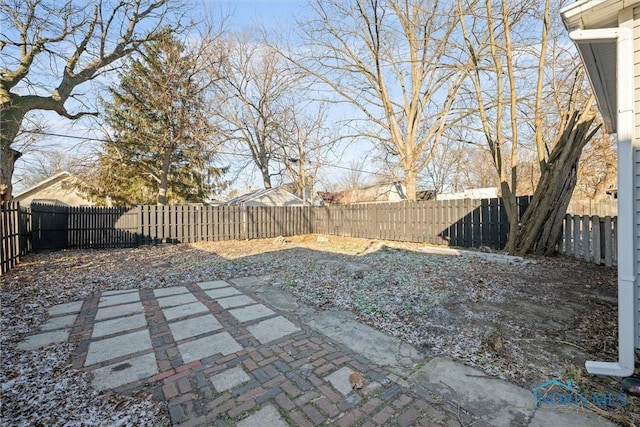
466	222
65	227
14	235
187	224
590	238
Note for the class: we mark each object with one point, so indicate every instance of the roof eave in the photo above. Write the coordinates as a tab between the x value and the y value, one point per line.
593	14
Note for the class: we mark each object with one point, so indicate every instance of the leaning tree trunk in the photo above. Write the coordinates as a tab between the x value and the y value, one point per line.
542	222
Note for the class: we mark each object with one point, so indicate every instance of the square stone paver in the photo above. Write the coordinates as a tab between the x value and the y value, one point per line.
208	346
251	312
184	310
106	301
34	342
128	371
235	301
340	380
67	308
121	345
120	324
59	322
119	311
193	327
230	378
173	300
173	290
267	416
213	285
118	292
272	329
222	292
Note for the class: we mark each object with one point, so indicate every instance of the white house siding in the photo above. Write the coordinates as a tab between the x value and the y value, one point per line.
636	170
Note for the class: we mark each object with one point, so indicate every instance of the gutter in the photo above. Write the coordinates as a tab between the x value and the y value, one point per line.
625	129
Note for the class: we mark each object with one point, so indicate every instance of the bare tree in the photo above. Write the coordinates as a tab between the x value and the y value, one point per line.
355	176
389	60
50	48
46	164
598	167
255	89
520	88
304	141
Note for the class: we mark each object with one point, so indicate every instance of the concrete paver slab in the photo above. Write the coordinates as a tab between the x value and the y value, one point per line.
235	301
495	401
106	301
117	292
379	347
222	292
184	310
267	416
251	282
59	322
121	345
120	324
173	290
126	372
213	285
119	311
251	312
67	308
272	329
340	380
193	327
208	346
34	342
173	300
230	378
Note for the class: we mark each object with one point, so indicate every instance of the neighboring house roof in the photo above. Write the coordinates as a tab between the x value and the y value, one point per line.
317	200
379	193
473	193
60	189
269	197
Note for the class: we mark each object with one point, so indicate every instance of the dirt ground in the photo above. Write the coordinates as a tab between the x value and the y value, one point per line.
523	322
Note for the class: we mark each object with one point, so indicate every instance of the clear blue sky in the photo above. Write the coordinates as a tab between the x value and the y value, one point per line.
256	13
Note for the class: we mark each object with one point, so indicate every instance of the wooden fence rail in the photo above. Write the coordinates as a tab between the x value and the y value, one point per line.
590	238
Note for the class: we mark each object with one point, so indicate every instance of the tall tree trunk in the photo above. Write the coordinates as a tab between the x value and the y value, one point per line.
511	206
163	185
542	222
266	177
11	117
410	178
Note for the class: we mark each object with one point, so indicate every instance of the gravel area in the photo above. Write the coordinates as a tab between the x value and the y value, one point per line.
523	322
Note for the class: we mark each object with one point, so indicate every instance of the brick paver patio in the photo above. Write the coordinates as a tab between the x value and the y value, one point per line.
219	357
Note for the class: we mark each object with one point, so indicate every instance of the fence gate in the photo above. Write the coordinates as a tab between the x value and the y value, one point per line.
49	227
